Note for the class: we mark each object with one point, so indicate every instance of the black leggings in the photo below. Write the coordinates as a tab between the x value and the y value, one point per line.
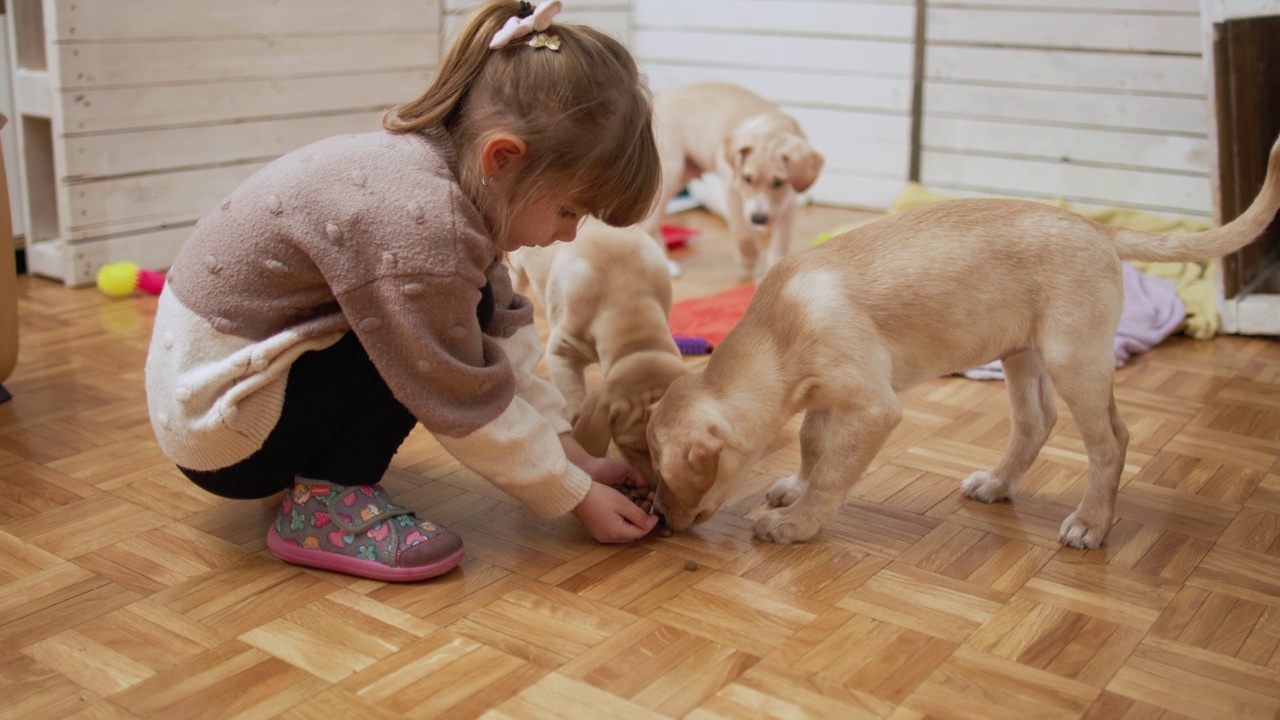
339	423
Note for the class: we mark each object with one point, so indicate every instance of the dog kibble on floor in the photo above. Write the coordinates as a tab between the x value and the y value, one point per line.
690	565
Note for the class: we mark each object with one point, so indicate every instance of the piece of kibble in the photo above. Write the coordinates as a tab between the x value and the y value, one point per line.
690	565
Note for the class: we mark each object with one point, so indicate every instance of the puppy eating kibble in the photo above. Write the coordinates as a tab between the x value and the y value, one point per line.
838	330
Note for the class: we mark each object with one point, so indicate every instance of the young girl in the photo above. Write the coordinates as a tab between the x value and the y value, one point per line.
355	287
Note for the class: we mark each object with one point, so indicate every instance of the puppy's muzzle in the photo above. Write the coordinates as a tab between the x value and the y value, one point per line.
759	219
680	521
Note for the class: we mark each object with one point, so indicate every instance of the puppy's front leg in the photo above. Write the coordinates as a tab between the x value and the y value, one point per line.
852	439
780	229
566	365
814	434
742	234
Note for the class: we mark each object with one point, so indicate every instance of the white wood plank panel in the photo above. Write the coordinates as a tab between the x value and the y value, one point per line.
775	52
853	191
615	23
793	86
1083	145
166	106
86	66
1068	108
858	143
84	20
1062	69
1217	11
777	17
1107	186
149	202
847	154
143	151
1184	7
1126	32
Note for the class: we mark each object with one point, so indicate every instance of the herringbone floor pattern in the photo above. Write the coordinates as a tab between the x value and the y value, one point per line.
125	592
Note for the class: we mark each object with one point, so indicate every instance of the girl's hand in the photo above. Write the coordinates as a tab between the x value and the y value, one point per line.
611	517
607	514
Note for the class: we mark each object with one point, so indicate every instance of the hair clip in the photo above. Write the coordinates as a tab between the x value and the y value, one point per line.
517	27
550	42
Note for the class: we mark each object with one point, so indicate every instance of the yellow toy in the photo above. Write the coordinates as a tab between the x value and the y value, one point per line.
122	279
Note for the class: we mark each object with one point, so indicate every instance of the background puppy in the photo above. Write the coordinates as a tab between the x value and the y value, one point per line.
607	297
760	153
838	330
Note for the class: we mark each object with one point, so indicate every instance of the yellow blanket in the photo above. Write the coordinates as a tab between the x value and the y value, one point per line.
1194	281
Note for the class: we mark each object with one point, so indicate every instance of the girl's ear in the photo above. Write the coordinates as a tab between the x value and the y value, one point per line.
502	153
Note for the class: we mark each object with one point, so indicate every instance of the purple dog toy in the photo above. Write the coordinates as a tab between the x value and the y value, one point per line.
692	345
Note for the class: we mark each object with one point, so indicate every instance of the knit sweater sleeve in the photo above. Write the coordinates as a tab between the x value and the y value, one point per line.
520	451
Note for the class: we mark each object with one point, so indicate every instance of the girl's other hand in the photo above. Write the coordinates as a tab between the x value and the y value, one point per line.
613	472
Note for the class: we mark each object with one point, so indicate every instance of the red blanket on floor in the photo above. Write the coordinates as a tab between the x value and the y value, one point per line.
711	317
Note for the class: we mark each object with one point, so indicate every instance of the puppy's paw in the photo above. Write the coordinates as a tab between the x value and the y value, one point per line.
783	528
982	486
1077	532
785	491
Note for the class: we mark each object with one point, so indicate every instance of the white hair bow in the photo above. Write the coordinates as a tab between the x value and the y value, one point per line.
517	27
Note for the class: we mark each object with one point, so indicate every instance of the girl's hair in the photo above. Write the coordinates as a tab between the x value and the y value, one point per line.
584	113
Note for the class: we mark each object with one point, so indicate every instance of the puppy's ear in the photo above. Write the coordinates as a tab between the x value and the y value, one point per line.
704	455
803	164
736	150
591	428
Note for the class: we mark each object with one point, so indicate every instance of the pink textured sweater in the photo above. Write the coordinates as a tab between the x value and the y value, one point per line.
370	233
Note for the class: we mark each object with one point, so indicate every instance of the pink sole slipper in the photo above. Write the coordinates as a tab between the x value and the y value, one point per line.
325	560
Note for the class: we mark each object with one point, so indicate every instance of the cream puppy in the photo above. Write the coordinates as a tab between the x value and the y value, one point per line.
760	153
607	297
838	330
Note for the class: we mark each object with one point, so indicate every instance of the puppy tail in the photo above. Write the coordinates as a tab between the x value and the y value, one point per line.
1194	247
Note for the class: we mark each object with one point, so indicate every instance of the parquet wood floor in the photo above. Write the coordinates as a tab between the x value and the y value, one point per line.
125	592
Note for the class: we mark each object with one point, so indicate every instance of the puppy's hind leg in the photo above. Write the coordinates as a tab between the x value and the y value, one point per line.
814	433
853	438
1084	379
1034	414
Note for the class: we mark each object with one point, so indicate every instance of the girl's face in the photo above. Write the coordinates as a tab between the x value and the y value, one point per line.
548	219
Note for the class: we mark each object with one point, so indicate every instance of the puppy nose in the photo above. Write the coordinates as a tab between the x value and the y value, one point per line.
759	219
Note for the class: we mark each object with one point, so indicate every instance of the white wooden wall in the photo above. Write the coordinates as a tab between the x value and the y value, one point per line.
156	109
843	68
1101	102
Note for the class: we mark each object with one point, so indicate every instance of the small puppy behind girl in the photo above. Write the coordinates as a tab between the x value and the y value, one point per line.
607	297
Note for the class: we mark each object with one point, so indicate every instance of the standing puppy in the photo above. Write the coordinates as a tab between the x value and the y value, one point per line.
607	297
837	331
760	153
